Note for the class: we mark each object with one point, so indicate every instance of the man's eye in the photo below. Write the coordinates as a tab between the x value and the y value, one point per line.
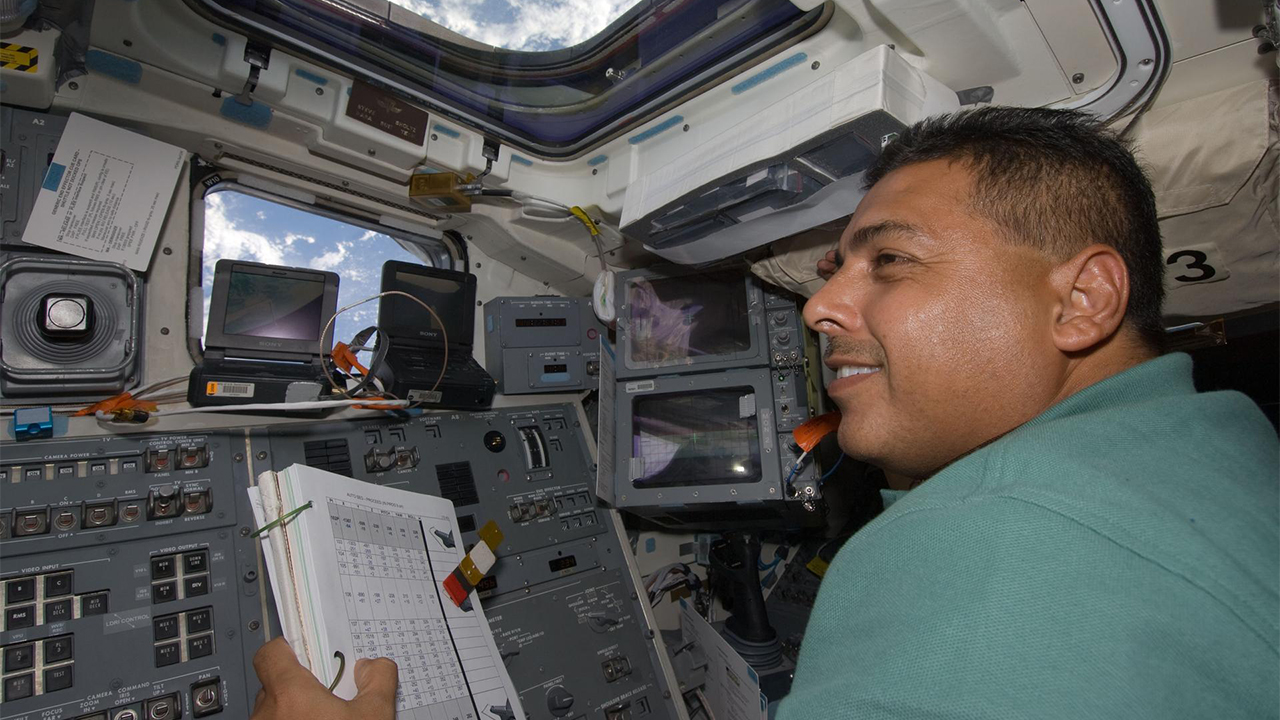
887	259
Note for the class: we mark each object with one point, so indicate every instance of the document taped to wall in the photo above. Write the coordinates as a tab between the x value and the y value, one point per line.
106	193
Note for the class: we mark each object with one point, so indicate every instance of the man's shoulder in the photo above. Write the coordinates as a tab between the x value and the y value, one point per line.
1179	489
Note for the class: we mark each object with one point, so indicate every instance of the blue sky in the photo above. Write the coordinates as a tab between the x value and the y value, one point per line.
245	227
522	24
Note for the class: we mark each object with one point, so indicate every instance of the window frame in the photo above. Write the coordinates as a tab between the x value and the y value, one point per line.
763	47
445	252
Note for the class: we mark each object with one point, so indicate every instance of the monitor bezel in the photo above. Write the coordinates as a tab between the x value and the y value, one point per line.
757	354
767	489
238	345
406	334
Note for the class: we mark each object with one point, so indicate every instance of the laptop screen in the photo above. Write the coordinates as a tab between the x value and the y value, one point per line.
451	294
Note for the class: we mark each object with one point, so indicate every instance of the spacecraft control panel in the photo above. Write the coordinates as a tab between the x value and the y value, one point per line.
130	588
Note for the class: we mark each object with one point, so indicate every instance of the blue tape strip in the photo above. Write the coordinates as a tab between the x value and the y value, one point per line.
255	115
308	75
122	69
447	131
53	178
522	160
218	39
661	127
776	69
556	377
597	160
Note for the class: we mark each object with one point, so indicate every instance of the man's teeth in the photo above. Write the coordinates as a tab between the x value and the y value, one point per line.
851	370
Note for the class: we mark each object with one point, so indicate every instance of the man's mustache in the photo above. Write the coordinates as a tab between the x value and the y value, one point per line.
866	352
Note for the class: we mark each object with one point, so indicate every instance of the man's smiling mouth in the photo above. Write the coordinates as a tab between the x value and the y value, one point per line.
851	370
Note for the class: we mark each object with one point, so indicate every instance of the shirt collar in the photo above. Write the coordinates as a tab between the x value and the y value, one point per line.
1163	376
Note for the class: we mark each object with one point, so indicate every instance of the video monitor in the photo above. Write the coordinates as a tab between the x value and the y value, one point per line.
699	320
696	438
451	294
256	307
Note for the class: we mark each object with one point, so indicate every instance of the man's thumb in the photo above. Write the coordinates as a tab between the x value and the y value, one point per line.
376	682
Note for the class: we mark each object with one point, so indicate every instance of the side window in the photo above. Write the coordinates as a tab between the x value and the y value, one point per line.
243	226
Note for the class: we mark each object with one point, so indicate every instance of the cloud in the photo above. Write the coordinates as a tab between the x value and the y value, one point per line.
224	238
332	258
521	24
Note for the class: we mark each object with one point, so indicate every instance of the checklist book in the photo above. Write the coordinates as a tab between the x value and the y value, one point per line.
356	570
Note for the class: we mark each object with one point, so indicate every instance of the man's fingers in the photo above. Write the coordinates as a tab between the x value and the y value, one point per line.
278	667
827	265
376	682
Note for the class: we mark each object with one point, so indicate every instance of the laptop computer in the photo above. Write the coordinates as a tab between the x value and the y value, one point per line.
416	356
263	341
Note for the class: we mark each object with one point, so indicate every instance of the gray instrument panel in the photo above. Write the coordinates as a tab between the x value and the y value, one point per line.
561	600
542	344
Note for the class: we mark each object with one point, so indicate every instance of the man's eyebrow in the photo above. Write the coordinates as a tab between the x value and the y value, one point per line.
865	235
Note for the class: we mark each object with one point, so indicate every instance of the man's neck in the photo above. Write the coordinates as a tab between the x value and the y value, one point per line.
1118	354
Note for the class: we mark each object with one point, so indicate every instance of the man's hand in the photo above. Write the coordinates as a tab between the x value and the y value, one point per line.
291	691
827	265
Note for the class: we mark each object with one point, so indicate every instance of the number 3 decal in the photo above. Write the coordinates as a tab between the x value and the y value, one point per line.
1196	264
1199	261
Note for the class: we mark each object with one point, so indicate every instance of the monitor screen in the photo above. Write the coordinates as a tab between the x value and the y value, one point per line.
269	306
673	320
703	437
404	318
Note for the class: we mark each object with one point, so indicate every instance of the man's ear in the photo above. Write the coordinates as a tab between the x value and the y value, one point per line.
1093	290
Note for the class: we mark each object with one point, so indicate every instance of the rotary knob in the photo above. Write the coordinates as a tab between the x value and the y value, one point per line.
559	701
784	338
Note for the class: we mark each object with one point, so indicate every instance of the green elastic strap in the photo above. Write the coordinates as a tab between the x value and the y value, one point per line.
281	520
342	665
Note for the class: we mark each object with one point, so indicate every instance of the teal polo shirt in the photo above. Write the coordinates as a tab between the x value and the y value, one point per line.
1115	557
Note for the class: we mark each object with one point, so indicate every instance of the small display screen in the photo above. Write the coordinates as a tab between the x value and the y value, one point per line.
703	437
563	563
269	306
542	322
555	368
406	318
673	320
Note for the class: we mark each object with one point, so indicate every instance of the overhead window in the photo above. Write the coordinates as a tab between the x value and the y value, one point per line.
537	74
240	224
519	24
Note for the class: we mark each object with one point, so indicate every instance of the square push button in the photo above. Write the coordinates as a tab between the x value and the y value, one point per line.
20	590
199	621
58	678
162	568
166	628
19	657
19	687
17	618
57	611
196	585
167	654
58	585
164	592
195	562
199	647
57	649
95	604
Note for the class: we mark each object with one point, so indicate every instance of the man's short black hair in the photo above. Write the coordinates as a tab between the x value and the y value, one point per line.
1053	179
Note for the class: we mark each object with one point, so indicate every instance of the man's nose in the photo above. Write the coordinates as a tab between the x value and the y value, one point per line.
835	308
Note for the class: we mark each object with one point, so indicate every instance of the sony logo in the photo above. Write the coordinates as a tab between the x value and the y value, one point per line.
268	343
